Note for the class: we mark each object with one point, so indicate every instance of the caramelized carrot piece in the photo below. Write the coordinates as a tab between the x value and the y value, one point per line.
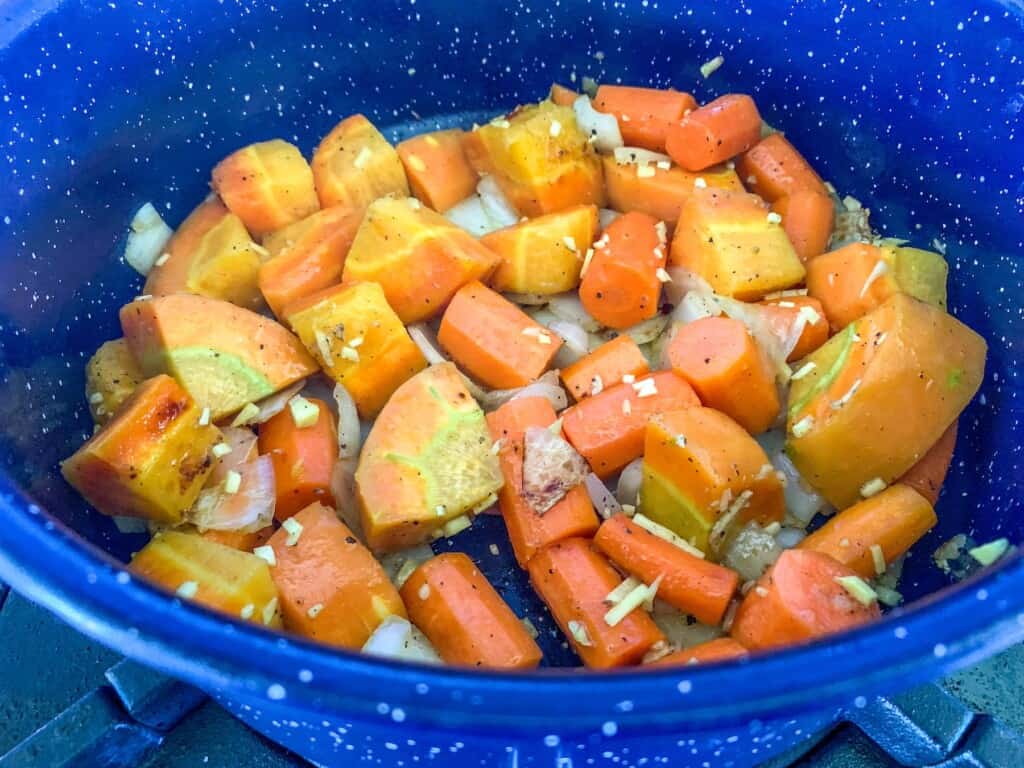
303	458
715	132
892	520
719	649
621	287
783	312
662	194
562	96
808	218
331	588
574	580
439	173
799	600
465	618
700	588
529	532
926	477
727	369
493	340
604	367
644	114
773	168
608	428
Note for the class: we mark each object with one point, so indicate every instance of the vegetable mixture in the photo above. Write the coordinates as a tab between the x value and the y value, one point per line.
644	330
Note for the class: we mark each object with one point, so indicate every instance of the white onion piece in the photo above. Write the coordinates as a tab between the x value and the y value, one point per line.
130	524
604	501
683	282
249	509
601	127
751	552
788	538
393	562
275	403
639	156
497	207
146	241
425	340
695	306
242	443
471	216
680	630
606	216
761	328
802	502
349	434
569	307
595	340
628	489
396	638
542	315
548	389
576	343
343	489
648	330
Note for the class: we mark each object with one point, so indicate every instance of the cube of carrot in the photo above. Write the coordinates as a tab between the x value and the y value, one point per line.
268	185
698	465
540	158
775	168
438	171
419	257
220	577
494	340
543	255
605	367
644	114
734	242
151	459
210	254
307	256
355	164
358	340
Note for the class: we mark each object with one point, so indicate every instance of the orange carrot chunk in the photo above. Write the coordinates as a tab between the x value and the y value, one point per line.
605	367
331	588
782	312
727	369
621	287
354	165
608	428
808	218
890	521
773	168
246	542
691	584
926	477
562	96
528	531
715	132
303	458
574	580
465	618
493	340
719	649
799	600
438	171
849	282
644	114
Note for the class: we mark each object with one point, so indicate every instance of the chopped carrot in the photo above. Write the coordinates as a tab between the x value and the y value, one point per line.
928	474
562	96
307	256
798	600
493	340
621	287
773	168
727	369
698	587
891	520
849	282
303	458
605	367
438	171
782	312
331	588
608	428
354	165
808	217
465	618
660	192
719	649
574	580
528	531
246	542
644	114
715	132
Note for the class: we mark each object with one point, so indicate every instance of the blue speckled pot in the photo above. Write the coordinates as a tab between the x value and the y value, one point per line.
913	107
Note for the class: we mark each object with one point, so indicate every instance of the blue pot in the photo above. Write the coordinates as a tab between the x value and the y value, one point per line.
914	108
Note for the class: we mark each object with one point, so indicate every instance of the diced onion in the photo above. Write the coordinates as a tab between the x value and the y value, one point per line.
628	489
471	216
790	537
639	156
394	563
546	386
146	241
599	126
751	552
648	330
249	509
681	630
242	443
606	216
424	339
269	407
396	638
568	306
343	489
349	434
695	306
604	501
575	338
497	207
802	502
